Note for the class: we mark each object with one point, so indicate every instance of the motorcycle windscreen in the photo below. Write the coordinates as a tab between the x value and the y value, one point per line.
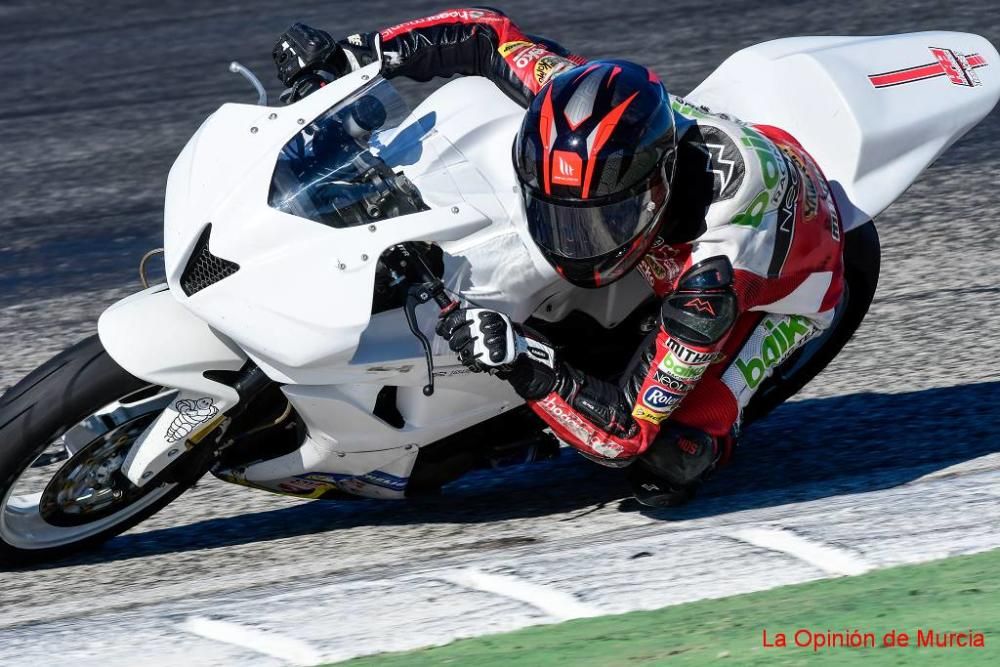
345	169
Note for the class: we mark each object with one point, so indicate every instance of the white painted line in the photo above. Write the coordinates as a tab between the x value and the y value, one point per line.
827	558
557	604
288	649
988	462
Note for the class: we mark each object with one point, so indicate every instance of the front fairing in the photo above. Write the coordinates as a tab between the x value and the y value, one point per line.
302	295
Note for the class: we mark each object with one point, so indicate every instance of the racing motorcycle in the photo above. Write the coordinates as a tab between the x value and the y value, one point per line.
289	349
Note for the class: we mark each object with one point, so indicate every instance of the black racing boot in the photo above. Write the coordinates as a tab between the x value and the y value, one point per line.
669	472
654	491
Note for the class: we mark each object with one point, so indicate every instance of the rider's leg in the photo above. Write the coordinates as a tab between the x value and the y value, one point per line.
701	433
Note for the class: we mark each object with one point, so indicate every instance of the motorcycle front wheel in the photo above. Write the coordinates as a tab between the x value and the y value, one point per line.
65	430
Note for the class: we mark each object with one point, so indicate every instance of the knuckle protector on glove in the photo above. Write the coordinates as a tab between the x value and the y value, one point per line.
494	337
494	329
300	49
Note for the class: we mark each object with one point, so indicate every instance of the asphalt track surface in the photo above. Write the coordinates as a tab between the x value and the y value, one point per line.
888	456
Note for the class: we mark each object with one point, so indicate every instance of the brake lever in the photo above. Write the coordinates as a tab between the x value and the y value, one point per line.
416	295
430	289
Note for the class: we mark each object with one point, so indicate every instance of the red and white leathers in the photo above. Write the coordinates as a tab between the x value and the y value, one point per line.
748	264
473	41
758	207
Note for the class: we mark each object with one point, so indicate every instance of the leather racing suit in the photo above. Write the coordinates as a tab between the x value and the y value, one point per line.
749	269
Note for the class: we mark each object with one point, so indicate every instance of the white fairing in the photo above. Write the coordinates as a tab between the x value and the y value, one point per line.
174	348
156	339
300	303
496	267
303	293
872	135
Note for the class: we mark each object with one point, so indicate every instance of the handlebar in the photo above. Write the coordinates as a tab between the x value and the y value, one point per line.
427	277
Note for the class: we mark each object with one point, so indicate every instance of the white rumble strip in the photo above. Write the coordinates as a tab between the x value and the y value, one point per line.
289	650
327	616
831	560
560	606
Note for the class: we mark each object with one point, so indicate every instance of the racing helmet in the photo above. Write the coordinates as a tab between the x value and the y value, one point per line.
595	159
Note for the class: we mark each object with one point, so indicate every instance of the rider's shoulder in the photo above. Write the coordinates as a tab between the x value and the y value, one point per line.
748	168
690	115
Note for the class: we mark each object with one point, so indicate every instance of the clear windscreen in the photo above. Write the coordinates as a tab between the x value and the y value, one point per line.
344	169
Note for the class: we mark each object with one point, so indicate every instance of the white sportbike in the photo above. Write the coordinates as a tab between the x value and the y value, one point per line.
289	349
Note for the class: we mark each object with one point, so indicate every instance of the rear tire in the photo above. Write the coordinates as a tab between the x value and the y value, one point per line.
34	413
862	262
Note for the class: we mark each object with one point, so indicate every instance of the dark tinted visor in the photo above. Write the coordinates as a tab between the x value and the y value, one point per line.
583	232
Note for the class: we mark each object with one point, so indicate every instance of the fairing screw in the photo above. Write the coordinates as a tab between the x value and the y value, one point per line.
364	258
147	474
364	77
342	266
301	121
272	116
371	228
173	452
454	209
253	130
341	454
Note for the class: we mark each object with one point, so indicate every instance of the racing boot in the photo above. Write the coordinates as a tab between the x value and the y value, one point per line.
679	459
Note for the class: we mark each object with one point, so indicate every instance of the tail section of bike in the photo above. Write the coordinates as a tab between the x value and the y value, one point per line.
873	111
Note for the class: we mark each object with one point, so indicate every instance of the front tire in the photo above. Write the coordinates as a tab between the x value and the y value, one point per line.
63	432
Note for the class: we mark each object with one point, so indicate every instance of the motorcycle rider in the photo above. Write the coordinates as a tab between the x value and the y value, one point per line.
733	226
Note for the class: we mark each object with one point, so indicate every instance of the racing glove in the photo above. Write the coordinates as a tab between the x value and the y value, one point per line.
488	341
301	50
358	50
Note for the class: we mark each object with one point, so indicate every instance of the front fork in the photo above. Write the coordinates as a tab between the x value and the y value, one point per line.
184	424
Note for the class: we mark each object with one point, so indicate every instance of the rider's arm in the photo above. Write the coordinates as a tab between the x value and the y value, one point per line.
475	41
613	423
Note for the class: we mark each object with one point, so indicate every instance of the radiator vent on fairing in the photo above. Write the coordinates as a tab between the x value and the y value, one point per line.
203	268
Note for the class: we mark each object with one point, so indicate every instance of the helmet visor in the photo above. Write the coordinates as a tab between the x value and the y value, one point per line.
585	232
